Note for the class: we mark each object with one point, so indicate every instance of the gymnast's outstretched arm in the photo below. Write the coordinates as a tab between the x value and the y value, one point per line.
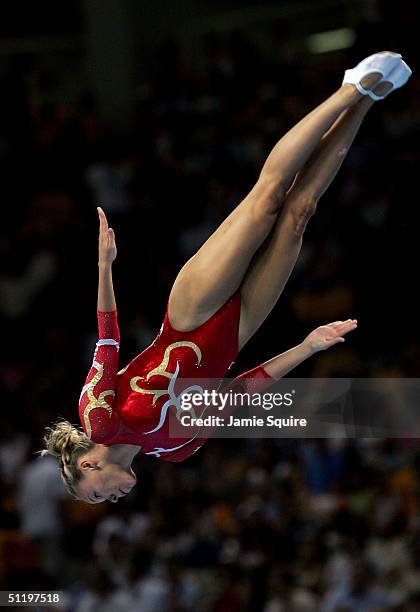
100	422
321	338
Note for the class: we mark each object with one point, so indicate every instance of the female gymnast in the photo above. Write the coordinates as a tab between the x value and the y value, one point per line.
218	301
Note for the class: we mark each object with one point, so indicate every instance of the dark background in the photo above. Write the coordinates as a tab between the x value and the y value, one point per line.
163	115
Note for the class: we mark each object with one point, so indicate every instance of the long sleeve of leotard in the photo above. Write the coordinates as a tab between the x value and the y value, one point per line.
252	381
100	422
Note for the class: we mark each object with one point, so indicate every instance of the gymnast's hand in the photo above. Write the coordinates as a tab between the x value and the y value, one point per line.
327	335
107	246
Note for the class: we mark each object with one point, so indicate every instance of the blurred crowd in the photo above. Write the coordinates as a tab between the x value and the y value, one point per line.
258	526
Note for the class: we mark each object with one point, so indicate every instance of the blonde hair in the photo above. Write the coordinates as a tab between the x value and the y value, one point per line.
68	443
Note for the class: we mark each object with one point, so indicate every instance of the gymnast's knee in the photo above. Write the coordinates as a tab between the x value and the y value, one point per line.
271	196
300	212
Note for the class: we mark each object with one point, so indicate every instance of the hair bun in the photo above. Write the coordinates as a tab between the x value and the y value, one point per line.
61	439
67	443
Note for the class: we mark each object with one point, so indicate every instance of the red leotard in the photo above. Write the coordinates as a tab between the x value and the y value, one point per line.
133	406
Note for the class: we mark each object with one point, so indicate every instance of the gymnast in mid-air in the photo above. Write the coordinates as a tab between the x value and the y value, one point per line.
219	299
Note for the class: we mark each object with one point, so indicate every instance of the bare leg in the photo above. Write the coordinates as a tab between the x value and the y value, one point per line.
273	263
216	271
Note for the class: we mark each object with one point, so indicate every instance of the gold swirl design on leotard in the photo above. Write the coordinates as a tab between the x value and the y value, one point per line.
94	402
161	370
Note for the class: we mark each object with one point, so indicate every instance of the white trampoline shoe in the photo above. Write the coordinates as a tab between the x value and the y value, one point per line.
390	65
398	77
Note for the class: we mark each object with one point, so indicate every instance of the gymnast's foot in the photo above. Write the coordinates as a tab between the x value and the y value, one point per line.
379	74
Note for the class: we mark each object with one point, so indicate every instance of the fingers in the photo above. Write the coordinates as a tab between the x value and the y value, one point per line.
103	223
338	323
338	329
102	218
344	327
332	341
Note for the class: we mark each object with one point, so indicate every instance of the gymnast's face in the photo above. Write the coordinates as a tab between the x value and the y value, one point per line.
103	481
